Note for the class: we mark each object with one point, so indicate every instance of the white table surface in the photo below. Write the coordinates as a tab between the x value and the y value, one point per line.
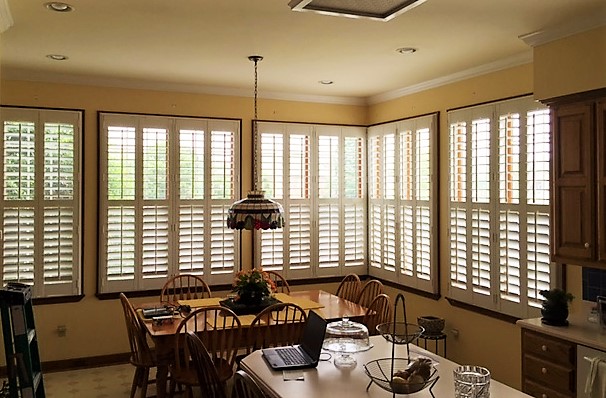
328	381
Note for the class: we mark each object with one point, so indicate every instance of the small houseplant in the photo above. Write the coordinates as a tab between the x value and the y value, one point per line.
555	306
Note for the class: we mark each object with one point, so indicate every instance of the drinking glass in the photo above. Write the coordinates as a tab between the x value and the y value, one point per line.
471	382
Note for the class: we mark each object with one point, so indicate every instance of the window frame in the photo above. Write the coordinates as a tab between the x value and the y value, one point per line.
492	206
388	264
312	202
219	263
39	117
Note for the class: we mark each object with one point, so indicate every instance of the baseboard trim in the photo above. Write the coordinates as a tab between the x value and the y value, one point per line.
79	363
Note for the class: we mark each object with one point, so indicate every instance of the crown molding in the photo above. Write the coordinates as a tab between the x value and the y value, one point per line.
548	35
9	73
516	60
6	19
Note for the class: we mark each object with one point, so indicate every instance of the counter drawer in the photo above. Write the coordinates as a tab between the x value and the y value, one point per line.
561	378
540	391
547	347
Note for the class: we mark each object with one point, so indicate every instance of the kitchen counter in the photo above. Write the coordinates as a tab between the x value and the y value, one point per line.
579	331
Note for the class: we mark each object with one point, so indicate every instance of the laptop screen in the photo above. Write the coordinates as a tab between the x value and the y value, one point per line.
313	335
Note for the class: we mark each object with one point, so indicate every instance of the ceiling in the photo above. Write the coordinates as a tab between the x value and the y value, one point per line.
203	45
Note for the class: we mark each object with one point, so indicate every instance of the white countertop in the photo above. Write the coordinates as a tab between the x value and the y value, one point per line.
327	381
579	331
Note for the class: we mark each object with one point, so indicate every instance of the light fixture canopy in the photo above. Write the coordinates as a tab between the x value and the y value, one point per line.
255	211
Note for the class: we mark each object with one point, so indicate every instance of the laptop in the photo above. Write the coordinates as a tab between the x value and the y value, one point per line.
300	356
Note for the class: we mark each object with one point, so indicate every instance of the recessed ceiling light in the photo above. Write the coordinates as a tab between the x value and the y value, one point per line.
406	50
59	7
57	57
326	82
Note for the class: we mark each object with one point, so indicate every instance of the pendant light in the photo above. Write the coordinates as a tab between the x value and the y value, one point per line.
255	211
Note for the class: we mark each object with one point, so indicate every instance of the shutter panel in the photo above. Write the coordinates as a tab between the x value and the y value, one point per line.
480	244
423	243
222	163
389	238
328	235
154	242
19	160
407	245
191	238
191	164
353	238
18	245
272	165
458	248
509	255
376	233
120	247
222	246
539	262
59	247
299	228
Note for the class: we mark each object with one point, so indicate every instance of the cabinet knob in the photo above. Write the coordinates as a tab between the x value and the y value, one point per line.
544	348
544	370
587	245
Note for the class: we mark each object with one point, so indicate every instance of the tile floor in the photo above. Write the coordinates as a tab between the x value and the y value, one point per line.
102	382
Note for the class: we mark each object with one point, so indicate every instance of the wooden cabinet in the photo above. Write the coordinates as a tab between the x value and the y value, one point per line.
548	366
578	171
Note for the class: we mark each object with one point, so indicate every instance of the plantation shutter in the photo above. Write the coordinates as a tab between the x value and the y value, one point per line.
402	161
167	185
40	206
499	206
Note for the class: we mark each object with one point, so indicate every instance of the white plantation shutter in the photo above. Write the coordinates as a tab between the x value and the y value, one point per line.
167	185
40	204
402	165
499	165
314	241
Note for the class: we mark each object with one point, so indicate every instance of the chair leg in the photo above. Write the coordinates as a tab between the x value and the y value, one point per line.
136	378
144	381
171	389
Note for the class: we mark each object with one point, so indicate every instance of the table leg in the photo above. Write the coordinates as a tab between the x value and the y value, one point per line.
164	353
161	380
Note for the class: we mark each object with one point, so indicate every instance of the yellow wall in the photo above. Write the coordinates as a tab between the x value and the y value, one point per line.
571	65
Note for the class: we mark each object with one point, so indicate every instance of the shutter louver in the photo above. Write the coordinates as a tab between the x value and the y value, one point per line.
407	255
222	161
423	243
389	238
59	161
375	238
538	257
121	163
480	243
509	255
458	248
19	161
353	239
272	165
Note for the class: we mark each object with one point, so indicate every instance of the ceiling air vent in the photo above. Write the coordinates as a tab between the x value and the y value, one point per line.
382	10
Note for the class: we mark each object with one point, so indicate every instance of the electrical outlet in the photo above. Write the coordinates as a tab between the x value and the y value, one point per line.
454	332
61	330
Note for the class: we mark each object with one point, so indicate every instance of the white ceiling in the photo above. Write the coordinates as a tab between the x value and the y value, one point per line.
203	45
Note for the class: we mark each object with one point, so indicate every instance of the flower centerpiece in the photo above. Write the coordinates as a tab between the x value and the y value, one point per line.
252	287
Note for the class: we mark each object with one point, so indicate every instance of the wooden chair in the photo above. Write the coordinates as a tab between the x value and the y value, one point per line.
245	386
142	356
370	290
184	287
277	325
208	378
350	287
379	311
281	283
219	329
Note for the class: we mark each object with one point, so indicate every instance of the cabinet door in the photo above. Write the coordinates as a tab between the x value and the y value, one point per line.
573	232
601	182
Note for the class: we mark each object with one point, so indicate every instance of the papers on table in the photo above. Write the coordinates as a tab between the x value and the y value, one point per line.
304	303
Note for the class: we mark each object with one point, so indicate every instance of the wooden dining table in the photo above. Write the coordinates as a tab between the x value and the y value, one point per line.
327	305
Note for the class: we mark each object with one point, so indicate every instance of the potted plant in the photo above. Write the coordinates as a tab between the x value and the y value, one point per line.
252	286
555	306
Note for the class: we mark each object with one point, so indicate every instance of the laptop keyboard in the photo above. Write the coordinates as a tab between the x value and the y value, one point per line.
291	355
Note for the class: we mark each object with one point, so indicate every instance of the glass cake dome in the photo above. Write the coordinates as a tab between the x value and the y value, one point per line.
344	338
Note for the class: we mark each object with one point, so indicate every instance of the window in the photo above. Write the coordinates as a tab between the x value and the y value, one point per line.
499	206
41	200
403	200
166	185
317	174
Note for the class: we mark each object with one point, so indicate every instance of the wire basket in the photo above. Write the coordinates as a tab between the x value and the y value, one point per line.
400	332
380	372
